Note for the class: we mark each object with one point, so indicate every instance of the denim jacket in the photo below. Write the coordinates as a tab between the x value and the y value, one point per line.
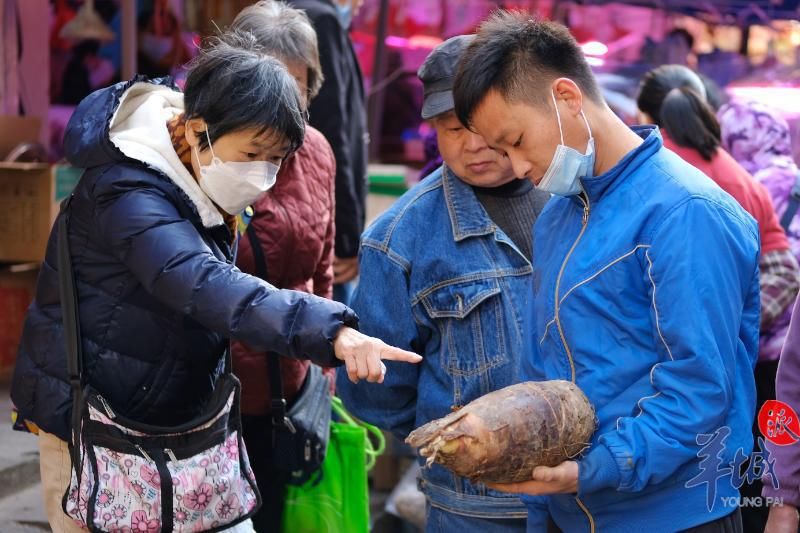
438	277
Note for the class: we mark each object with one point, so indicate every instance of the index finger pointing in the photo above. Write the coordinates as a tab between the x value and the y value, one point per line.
396	354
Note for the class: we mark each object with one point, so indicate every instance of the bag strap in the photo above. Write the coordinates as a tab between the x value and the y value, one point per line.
69	302
371	450
794	204
72	330
258	252
278	402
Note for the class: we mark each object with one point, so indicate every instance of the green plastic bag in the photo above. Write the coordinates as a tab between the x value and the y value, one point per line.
338	501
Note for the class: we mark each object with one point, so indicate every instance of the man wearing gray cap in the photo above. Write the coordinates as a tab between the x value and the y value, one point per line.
445	272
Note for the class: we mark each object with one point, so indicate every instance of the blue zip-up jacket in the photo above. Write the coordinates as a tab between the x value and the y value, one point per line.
645	293
440	278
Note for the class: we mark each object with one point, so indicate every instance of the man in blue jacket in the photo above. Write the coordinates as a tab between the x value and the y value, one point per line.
445	271
645	291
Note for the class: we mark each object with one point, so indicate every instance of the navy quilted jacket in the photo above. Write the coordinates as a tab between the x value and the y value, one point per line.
157	288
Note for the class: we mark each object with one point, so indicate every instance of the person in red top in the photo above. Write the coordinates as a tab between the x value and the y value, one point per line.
736	181
674	98
292	230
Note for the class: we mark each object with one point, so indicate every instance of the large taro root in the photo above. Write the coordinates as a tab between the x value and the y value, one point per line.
502	436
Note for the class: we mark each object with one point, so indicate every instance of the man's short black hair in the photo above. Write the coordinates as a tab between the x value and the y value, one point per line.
519	56
233	85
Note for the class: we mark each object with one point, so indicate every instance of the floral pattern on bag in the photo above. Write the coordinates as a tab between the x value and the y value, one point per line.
76	505
220	492
128	497
125	489
209	490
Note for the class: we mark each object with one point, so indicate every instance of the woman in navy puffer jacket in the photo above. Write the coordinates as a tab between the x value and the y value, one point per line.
152	235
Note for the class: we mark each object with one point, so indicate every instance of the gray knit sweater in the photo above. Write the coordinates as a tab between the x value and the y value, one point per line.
514	208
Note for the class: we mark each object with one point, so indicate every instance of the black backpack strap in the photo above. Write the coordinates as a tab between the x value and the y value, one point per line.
794	204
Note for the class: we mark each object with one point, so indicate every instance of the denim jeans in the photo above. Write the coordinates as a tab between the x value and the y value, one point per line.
440	521
343	292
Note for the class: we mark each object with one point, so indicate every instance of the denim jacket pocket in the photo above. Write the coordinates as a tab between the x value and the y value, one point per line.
471	320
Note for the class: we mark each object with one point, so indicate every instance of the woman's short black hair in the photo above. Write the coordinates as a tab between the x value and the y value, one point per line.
520	57
675	98
233	85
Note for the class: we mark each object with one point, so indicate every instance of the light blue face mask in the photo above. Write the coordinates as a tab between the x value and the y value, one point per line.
345	14
568	166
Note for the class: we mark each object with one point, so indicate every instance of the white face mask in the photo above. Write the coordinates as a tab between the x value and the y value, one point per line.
235	185
568	166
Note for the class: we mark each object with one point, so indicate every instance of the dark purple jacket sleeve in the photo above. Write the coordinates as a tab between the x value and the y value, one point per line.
787	458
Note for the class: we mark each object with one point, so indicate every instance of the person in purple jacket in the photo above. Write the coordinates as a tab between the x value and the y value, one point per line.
759	139
784	518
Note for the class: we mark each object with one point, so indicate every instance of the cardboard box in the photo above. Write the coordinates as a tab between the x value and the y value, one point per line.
30	194
17	290
16	130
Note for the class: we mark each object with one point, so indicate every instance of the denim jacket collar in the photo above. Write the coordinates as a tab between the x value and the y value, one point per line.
597	186
467	215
